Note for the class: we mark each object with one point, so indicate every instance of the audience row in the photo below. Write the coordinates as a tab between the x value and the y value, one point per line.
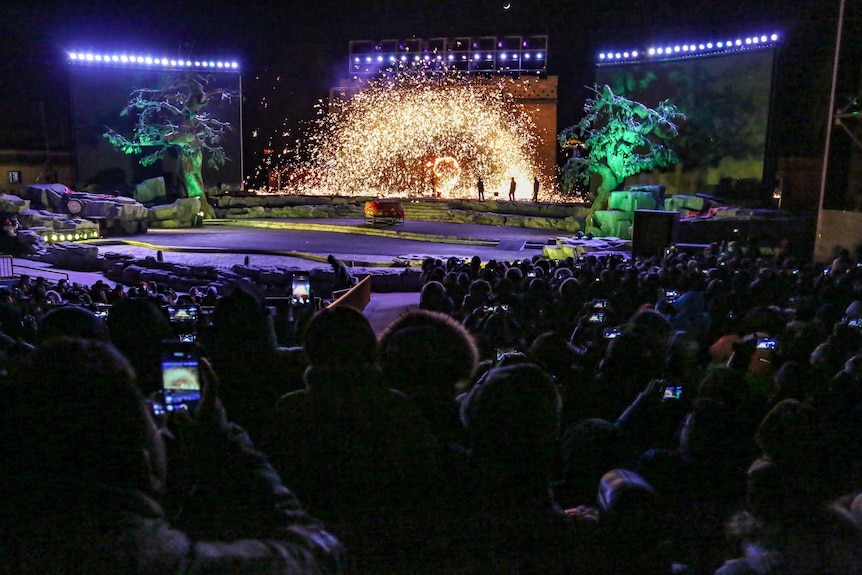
697	413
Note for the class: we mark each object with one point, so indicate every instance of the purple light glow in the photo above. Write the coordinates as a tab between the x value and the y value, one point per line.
687	50
126	59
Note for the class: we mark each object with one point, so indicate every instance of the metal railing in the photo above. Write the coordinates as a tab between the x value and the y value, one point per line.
8	269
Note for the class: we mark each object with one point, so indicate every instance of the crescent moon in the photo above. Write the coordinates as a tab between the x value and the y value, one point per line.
507	6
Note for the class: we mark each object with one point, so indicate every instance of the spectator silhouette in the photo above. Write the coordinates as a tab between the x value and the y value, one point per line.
589	449
430	357
342	278
138	327
633	535
512	418
434	297
358	454
254	372
72	321
91	469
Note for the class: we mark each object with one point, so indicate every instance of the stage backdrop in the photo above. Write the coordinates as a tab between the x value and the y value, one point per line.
726	100
99	93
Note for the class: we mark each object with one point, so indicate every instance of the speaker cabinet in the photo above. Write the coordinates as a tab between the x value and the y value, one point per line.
653	232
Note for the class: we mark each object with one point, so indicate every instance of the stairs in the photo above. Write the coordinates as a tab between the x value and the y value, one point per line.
426	210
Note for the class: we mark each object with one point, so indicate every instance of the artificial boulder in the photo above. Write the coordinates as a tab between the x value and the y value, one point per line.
117	213
151	192
12	205
72	256
51	197
183	213
111	207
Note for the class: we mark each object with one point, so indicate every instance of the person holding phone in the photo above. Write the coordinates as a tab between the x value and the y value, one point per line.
107	508
359	454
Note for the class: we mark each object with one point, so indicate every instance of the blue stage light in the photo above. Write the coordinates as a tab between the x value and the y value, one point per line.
164	61
687	50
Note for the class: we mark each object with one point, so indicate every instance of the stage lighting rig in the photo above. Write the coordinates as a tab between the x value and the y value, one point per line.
496	55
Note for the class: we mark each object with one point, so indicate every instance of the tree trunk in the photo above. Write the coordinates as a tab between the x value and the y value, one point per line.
206	208
603	193
192	160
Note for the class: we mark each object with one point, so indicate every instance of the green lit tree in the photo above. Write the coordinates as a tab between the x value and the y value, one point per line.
620	138
173	120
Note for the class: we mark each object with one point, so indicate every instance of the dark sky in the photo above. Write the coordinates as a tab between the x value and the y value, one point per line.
305	42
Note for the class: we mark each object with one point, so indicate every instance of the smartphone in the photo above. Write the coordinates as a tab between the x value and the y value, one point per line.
183	313
767	343
181	376
499	353
101	310
300	290
532	274
597	317
672	392
611	332
855	323
600	304
670	295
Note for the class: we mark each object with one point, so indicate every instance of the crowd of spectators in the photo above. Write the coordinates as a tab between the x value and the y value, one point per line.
695	413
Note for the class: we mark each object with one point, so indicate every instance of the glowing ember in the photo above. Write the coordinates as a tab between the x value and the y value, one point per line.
417	134
447	173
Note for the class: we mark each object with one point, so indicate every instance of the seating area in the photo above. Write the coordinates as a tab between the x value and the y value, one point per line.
691	413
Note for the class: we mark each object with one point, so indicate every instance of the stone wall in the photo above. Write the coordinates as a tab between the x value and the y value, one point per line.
567	218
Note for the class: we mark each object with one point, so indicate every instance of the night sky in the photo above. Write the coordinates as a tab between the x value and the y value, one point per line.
305	43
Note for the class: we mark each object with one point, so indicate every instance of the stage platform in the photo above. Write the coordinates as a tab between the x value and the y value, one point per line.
700	223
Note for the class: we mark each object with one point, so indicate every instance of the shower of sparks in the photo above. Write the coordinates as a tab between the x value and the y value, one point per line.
414	135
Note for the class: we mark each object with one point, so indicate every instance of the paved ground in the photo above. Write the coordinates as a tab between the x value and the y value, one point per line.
298	243
349	239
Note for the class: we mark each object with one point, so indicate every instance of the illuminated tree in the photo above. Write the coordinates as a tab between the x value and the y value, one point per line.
173	120
620	138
